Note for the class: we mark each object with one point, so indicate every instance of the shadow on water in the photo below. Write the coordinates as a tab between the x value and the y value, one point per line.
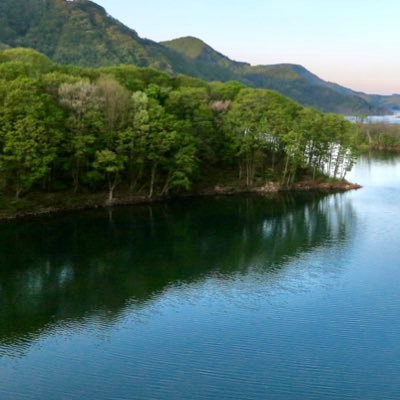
72	267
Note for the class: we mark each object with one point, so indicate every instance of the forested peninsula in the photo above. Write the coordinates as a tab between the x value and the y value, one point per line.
73	137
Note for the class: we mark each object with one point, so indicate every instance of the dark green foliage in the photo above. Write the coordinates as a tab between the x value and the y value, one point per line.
29	131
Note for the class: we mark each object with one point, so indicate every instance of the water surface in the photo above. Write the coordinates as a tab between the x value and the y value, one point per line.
379	119
293	297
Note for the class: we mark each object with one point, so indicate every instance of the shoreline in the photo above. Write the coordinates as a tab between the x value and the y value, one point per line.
96	201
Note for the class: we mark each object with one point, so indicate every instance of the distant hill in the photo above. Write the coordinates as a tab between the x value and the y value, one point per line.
384	102
292	80
81	32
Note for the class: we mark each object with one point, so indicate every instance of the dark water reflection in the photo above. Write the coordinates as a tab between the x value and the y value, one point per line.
66	267
290	297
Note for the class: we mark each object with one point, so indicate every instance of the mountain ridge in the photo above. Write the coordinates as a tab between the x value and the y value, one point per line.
290	71
82	33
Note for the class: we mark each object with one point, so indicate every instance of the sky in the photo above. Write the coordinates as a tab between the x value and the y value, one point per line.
355	43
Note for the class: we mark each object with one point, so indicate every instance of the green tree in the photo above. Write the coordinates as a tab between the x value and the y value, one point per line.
29	135
85	119
133	140
249	127
170	150
111	164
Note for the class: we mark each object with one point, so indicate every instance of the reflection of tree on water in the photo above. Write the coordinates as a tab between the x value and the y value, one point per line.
73	267
379	157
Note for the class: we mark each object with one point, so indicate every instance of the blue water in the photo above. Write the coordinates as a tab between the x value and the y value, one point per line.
294	297
385	119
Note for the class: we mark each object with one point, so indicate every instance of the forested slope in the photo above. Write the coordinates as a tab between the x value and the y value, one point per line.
81	33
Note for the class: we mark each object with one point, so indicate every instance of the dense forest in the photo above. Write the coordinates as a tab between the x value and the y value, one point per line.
65	128
81	33
378	135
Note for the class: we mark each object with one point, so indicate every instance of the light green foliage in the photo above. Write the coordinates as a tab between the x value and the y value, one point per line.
265	125
138	129
84	121
114	102
36	60
294	145
225	91
251	126
111	164
132	141
170	149
193	106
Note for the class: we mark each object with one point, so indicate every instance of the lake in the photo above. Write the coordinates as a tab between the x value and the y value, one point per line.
379	119
288	297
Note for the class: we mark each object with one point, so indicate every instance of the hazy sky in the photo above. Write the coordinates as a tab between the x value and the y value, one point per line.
352	42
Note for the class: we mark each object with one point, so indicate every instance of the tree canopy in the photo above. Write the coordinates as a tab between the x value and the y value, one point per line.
86	129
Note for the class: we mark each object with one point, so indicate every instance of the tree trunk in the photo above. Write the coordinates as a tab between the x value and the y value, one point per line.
112	184
286	170
249	170
338	162
152	180
111	194
330	161
165	189
369	135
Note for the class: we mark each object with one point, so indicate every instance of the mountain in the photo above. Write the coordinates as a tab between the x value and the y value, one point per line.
391	103
81	32
292	80
205	58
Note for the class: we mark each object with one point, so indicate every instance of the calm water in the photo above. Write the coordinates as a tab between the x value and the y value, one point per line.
385	119
231	298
